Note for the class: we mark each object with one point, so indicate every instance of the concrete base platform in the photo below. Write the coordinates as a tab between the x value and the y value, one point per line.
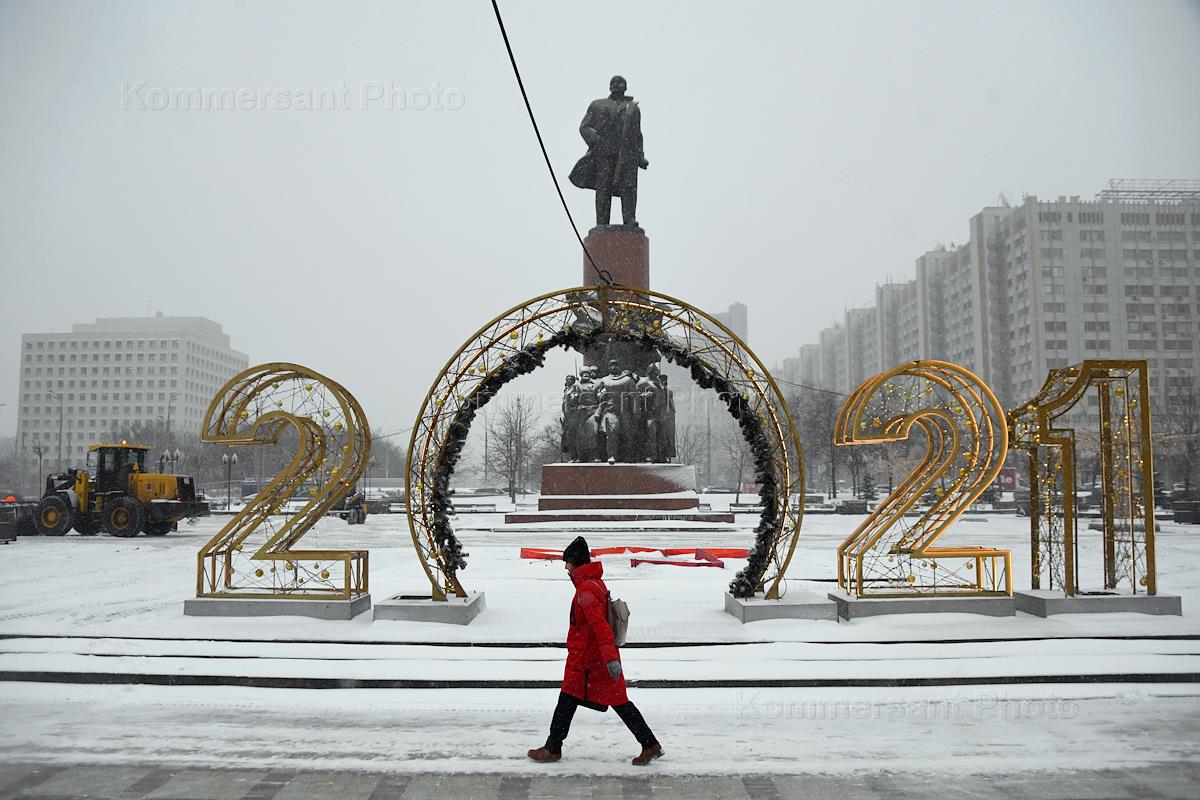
1043	603
423	608
284	607
851	607
793	605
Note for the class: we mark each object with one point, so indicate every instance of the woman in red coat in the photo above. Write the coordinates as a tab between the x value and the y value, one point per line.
593	676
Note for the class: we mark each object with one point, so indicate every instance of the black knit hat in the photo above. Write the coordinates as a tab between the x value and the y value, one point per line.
577	552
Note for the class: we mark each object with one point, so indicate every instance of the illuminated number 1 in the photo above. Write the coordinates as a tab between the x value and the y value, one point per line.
1043	428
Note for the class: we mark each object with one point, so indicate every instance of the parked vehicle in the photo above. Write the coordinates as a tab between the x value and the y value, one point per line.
116	494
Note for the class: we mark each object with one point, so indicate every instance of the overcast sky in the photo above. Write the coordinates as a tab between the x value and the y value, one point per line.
800	153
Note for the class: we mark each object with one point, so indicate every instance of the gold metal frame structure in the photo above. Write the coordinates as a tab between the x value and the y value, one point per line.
1126	470
622	313
333	442
963	422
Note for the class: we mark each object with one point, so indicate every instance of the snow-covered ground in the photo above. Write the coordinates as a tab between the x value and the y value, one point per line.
116	606
846	732
101	586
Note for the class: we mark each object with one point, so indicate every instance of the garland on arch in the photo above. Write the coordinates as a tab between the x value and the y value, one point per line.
533	356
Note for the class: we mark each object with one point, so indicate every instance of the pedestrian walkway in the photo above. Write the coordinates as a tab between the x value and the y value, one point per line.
1172	780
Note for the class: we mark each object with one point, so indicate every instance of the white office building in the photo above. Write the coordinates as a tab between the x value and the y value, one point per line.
77	388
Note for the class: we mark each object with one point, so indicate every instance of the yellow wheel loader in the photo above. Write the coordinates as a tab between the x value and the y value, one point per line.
116	494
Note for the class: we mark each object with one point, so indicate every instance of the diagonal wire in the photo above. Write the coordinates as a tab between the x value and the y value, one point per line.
811	388
603	274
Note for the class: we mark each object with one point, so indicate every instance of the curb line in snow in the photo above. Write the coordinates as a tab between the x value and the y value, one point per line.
270	682
559	645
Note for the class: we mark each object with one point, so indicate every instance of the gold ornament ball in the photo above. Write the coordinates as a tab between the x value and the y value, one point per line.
258	573
325	574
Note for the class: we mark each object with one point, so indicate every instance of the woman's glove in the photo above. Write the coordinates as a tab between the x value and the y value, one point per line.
614	669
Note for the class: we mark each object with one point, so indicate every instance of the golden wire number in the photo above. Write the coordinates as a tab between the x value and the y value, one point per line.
258	407
967	442
1126	471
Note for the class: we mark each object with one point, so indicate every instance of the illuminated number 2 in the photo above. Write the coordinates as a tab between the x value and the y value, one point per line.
252	555
967	442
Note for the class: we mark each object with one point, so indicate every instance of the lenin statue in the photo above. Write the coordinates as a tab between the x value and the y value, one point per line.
612	129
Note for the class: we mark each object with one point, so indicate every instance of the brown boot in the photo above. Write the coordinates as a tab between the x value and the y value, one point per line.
545	756
649	754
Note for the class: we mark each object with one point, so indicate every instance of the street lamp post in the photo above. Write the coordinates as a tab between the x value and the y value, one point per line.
165	457
175	457
228	460
39	450
170	404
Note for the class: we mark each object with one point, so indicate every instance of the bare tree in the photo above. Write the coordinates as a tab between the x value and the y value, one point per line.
511	433
546	449
1177	436
737	453
689	445
817	412
856	460
389	454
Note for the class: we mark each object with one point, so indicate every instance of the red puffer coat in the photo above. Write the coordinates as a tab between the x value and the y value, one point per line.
590	643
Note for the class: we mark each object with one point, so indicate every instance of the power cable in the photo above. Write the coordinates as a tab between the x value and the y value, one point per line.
603	274
811	388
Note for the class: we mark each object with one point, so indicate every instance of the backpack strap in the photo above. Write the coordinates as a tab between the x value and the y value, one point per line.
607	594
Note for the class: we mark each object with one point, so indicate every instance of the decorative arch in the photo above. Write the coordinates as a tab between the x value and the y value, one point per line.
516	342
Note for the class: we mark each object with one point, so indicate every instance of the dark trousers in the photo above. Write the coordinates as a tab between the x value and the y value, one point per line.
564	712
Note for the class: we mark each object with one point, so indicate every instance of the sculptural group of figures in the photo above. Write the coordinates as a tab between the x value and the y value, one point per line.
619	416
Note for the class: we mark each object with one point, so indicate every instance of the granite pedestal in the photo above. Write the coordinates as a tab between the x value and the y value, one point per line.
603	492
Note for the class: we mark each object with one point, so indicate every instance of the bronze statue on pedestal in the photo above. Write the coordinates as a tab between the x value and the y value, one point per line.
612	128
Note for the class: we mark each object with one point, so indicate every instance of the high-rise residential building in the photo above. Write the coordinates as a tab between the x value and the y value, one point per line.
899	324
78	387
1038	286
737	319
1119	277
